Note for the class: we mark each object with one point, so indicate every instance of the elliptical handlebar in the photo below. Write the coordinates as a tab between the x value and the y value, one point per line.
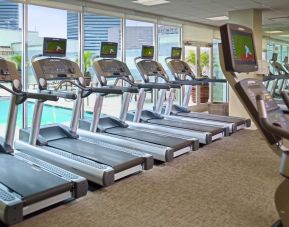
285	98
266	124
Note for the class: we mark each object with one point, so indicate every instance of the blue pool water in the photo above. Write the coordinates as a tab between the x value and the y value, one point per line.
51	114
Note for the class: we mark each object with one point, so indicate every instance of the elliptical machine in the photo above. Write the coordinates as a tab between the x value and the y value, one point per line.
238	55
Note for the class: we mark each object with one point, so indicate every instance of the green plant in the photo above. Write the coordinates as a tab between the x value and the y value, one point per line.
18	60
86	62
205	59
191	58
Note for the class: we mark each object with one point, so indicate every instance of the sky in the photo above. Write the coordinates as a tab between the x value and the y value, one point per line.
51	22
48	22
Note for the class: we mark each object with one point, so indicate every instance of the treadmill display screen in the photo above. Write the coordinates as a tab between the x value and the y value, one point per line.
54	47
148	52
108	50
176	53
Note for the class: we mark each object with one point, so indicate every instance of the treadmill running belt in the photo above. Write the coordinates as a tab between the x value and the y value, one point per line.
118	160
28	180
167	141
214	117
187	125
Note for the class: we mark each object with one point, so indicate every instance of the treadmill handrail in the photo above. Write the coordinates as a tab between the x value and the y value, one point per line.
263	117
30	95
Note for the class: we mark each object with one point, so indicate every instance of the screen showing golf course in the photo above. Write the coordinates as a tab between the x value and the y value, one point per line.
176	53
108	50
147	52
243	48
54	47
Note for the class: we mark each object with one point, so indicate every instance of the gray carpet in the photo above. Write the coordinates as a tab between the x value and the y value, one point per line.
228	183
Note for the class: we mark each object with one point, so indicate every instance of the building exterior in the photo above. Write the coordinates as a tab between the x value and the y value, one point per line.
95	29
9	17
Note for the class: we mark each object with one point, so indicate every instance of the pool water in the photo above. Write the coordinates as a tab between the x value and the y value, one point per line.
51	114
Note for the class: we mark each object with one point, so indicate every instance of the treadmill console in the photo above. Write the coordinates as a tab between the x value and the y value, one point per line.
179	67
150	68
56	69
110	68
8	71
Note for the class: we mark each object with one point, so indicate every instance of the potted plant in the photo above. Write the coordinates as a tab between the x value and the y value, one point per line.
87	64
204	64
18	61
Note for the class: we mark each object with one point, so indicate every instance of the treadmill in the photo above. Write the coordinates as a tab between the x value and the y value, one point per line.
28	184
150	69
163	146
279	78
255	98
183	74
61	145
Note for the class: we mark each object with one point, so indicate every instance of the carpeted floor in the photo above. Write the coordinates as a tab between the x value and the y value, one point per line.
228	183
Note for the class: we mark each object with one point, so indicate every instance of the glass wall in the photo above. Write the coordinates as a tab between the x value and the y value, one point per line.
61	24
97	29
137	34
168	37
10	49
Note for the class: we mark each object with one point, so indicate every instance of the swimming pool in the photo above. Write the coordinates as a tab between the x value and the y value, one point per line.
51	114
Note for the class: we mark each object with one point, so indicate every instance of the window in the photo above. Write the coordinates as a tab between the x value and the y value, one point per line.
10	49
138	33
61	24
97	29
219	90
168	37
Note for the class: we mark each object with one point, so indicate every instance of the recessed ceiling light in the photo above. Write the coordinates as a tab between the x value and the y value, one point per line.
284	35
218	18
151	2
274	32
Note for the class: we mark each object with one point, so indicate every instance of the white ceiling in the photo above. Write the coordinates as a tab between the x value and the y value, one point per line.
199	10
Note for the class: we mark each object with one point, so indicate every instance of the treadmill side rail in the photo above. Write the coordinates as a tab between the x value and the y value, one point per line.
96	172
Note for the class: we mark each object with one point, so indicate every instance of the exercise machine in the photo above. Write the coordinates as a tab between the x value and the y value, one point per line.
184	75
238	55
152	72
61	145
163	146
28	184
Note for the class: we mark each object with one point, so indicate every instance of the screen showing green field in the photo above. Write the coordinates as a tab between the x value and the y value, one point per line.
176	53
54	47
108	50
243	48
148	52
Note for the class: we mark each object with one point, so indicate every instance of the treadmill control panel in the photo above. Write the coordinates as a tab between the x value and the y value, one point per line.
110	68
248	90
56	69
8	71
179	67
150	68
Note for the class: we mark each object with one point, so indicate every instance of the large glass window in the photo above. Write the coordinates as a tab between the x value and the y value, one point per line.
138	33
97	29
10	49
219	90
168	37
56	23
